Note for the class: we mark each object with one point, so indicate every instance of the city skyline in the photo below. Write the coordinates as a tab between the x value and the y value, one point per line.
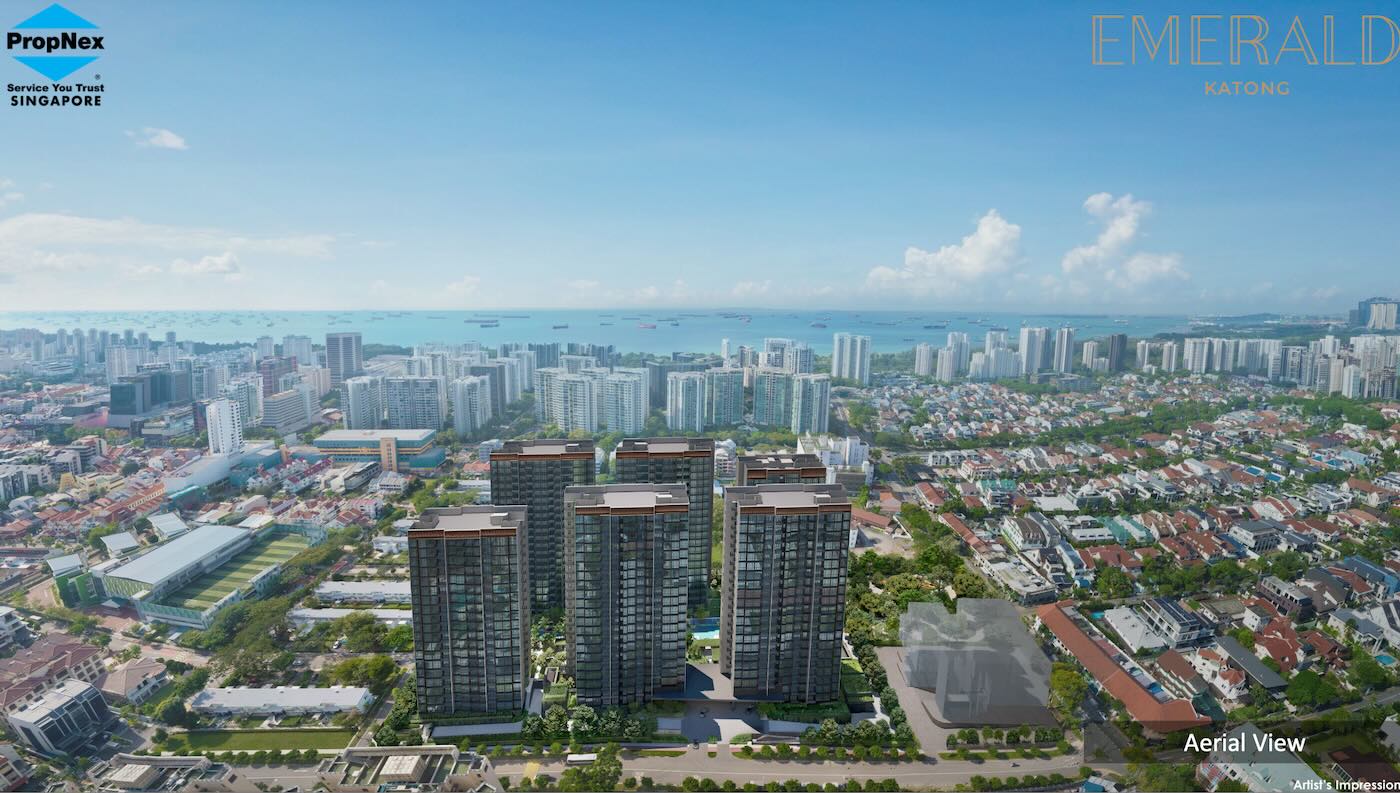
623	156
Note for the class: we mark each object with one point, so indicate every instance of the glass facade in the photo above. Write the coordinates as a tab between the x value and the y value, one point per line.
784	590
691	462
627	567
535	473
471	611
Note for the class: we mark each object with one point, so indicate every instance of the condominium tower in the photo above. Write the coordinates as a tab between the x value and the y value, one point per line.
783	600
469	575
535	473
689	461
625	562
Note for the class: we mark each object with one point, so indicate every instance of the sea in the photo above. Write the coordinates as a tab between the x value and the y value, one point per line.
652	331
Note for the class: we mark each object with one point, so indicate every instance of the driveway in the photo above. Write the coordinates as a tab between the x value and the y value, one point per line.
719	721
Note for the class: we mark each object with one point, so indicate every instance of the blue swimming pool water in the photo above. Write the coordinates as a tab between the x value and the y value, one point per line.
714	634
1098	615
1385	660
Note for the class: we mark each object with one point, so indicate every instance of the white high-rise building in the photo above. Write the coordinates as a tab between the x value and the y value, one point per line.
724	397
573	406
364	403
850	357
225	423
1144	353
246	390
299	347
772	398
923	359
811	403
471	404
961	348
1170	361
266	347
525	360
947	370
993	340
344	356
1091	351
415	403
775	353
724	351
1033	341
123	361
1064	350
685	401
625	397
1197	355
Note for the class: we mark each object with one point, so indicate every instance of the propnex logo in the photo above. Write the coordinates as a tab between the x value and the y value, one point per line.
51	19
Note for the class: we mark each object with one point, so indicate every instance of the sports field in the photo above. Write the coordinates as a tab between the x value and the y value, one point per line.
234	574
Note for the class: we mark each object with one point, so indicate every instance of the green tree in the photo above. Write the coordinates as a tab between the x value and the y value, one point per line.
1067	689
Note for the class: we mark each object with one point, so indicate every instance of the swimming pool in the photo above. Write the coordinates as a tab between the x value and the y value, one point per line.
1098	615
714	634
1386	660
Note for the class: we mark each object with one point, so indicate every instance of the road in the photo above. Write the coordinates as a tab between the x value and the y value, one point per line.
696	762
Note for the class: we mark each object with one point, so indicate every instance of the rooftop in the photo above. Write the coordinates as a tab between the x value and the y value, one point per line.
279	698
373	436
156	566
470	518
628	496
789	495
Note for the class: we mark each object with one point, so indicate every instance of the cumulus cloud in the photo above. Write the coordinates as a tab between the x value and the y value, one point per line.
158	138
1121	218
1110	261
989	250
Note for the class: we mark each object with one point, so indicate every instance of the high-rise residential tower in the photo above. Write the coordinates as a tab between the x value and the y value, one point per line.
850	357
1064	350
469	574
344	356
471	405
535	473
685	401
689	461
783	599
626	565
225	422
724	397
811	403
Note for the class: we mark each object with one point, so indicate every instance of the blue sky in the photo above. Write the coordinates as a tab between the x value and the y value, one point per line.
465	155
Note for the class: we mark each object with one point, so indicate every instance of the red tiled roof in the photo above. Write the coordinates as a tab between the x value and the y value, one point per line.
1162	717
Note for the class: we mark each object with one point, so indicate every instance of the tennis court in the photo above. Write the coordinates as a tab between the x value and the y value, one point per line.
235	574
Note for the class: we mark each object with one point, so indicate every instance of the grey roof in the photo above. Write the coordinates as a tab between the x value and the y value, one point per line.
154	567
1250	663
273	699
168	525
59	565
120	542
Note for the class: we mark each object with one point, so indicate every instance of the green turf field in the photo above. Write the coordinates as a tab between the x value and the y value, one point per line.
234	574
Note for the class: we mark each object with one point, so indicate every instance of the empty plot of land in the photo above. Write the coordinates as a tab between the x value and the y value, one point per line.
236	572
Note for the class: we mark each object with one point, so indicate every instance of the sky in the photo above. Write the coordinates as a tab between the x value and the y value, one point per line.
337	155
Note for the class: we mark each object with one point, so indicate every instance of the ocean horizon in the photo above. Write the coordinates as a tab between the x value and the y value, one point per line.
657	331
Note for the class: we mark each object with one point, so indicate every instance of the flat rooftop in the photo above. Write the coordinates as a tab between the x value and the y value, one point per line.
789	495
629	496
543	447
665	445
373	436
470	518
278	698
156	566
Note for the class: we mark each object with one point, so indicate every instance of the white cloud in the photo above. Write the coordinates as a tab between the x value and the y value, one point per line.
1121	217
157	138
8	195
465	285
584	285
751	289
1110	262
989	250
225	264
39	243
